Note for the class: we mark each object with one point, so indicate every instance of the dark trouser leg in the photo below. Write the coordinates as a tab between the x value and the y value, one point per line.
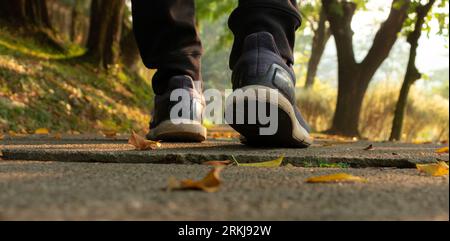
167	39
281	18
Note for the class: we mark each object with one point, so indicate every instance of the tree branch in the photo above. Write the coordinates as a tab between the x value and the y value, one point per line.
386	36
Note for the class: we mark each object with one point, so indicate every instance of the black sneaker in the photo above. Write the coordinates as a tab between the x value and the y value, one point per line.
187	128
261	68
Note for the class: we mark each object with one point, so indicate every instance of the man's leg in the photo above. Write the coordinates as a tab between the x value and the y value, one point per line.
168	41
280	18
261	60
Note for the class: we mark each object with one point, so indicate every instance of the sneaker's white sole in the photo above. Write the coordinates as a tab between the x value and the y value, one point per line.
189	131
290	133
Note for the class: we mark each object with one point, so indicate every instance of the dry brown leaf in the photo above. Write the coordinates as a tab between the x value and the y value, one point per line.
435	169
369	148
336	178
210	183
57	136
1	136
442	150
218	163
141	143
42	131
110	134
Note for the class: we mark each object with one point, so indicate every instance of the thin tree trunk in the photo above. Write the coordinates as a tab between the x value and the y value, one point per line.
105	32
13	12
37	13
75	21
321	36
25	13
129	50
412	73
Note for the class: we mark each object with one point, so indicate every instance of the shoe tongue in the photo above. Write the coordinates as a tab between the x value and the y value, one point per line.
260	40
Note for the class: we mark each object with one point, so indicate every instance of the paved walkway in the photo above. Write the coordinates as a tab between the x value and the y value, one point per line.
98	191
93	178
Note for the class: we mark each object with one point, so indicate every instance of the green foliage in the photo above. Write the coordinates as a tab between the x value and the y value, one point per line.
337	7
436	22
213	10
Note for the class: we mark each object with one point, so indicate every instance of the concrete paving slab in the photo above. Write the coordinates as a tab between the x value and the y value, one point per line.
383	154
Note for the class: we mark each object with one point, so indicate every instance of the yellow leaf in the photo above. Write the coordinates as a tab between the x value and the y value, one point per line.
42	131
274	163
15	134
210	183
141	143
336	178
435	170
442	150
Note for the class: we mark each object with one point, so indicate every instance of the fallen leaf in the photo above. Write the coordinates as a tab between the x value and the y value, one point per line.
273	163
172	184
110	134
57	136
210	183
369	148
335	178
217	163
419	142
42	131
1	136
442	150
15	134
141	143
435	169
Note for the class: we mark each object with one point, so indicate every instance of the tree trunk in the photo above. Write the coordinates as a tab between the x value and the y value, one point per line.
105	32
13	12
353	77
412	73
75	21
349	102
129	50
321	36
37	13
25	13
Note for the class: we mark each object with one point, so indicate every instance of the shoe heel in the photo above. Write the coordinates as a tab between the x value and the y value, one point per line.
170	132
289	132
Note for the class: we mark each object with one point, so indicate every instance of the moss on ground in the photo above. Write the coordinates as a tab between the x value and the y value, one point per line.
41	87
